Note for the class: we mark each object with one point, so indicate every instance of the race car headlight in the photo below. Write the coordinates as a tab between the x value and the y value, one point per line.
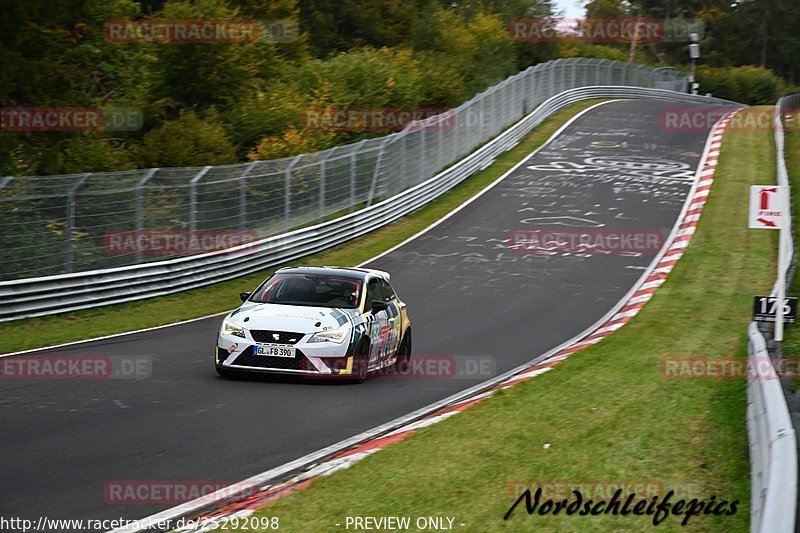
229	328
338	335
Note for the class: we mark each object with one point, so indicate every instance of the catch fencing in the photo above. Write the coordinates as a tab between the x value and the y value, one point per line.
81	290
54	225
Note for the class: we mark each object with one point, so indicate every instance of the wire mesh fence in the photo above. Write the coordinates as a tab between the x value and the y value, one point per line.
74	223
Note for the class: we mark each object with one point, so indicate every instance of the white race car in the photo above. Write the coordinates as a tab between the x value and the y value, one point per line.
317	321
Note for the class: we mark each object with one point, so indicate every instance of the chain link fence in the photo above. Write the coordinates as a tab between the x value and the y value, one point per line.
54	225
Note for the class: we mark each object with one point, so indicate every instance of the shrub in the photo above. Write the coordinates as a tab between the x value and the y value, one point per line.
748	84
188	141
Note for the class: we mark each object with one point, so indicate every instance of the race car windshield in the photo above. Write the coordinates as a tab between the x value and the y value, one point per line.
317	290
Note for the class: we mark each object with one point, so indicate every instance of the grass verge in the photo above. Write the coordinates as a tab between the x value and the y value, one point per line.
80	325
605	418
791	337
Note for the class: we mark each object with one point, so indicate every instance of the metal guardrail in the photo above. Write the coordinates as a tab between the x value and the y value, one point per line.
771	435
54	225
81	290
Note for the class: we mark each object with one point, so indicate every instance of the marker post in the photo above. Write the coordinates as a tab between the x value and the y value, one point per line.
769	205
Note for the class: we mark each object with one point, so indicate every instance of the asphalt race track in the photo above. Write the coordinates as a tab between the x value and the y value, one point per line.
469	295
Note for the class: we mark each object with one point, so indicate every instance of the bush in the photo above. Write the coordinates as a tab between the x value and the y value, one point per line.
748	85
188	141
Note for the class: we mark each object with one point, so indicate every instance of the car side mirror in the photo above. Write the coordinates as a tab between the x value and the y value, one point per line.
378	306
244	295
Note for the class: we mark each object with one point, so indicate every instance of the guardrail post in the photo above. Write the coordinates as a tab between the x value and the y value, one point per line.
5	181
193	198
140	208
287	187
70	222
243	195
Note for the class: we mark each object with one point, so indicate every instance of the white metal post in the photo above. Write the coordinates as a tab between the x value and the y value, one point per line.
781	296
140	208
353	172
243	195
287	190
193	198
70	222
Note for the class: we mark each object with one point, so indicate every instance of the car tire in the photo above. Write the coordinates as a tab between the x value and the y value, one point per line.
361	362
402	362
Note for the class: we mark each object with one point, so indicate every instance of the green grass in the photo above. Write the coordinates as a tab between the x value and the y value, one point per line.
607	413
80	325
791	337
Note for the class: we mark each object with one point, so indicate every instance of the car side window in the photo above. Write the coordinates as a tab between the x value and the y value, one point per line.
386	290
374	293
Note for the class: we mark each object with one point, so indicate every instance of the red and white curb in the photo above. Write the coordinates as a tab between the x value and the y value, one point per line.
635	301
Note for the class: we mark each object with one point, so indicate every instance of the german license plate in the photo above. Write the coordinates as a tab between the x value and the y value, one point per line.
274	350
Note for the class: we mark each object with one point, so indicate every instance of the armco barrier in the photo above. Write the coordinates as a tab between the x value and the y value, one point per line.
773	444
81	290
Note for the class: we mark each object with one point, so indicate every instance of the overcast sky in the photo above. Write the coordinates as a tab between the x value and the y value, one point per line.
571	9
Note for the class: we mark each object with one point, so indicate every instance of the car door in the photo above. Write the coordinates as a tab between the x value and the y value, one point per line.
377	323
393	318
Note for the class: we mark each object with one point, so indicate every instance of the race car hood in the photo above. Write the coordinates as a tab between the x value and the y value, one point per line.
299	319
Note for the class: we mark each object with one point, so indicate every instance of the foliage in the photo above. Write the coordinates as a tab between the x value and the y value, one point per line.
190	140
749	85
248	99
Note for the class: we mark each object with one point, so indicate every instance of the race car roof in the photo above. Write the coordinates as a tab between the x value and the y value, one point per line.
341	270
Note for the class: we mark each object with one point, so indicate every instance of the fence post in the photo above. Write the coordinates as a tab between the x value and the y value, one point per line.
422	154
353	171
322	169
403	174
573	75
440	144
140	208
70	223
193	198
243	195
287	188
378	163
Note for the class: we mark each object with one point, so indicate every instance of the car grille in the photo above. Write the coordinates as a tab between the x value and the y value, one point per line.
298	362
284	337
